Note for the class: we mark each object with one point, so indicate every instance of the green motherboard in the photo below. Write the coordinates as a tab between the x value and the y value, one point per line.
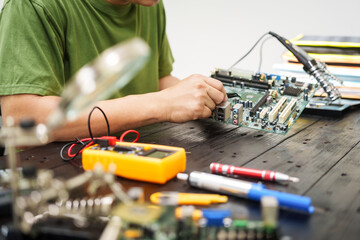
262	101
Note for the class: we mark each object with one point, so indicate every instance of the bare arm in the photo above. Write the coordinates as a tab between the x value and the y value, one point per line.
168	81
189	99
122	113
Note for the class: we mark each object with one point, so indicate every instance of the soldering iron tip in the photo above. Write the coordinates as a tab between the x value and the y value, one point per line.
294	179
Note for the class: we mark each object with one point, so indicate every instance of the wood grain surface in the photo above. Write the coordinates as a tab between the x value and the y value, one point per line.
323	152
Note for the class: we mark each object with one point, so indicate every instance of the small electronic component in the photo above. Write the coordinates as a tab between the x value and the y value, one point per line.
269	210
138	161
292	91
139	213
299	84
264	108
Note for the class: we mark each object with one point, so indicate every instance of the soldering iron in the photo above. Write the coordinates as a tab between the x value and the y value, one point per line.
313	67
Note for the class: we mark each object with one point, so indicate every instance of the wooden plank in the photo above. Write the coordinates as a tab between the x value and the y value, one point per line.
150	129
46	156
188	134
338	195
311	153
239	146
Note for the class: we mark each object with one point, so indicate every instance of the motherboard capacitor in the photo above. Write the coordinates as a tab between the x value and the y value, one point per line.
250	104
306	98
269	100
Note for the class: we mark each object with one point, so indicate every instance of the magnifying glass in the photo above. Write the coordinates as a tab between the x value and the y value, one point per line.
98	80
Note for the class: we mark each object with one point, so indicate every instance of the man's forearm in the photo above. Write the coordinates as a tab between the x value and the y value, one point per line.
178	101
122	113
167	82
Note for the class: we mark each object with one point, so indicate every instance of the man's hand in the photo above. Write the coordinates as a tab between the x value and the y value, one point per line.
192	98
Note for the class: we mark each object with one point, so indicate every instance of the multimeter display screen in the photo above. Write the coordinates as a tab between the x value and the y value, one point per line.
159	154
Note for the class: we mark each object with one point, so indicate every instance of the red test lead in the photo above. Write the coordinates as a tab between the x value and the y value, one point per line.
252	173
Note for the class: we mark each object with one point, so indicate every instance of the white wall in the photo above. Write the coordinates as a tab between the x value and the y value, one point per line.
1	4
214	33
205	34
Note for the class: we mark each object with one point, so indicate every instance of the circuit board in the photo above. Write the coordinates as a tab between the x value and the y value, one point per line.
262	101
149	222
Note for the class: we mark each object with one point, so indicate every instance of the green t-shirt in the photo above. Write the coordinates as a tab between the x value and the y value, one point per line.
44	42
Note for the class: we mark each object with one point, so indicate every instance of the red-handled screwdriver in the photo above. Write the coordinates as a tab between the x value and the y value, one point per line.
252	173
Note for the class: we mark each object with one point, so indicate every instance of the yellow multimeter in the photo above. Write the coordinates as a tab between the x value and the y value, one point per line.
138	161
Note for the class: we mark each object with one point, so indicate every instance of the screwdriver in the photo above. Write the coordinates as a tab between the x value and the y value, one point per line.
250	172
245	189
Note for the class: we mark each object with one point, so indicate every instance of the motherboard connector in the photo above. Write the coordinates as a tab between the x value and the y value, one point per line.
222	111
237	115
278	107
263	113
289	108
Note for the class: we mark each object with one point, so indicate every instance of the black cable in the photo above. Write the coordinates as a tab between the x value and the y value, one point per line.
107	122
83	143
248	51
62	150
261	49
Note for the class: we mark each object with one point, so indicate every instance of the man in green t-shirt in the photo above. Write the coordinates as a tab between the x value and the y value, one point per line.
44	42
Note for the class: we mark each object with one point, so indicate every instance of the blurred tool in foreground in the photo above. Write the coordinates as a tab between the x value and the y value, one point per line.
250	172
239	188
111	70
177	198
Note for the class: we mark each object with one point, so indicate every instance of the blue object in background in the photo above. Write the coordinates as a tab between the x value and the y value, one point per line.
215	217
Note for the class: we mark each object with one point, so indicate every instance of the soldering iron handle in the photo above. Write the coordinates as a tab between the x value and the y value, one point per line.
300	54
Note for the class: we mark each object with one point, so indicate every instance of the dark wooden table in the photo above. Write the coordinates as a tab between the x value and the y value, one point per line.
323	152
